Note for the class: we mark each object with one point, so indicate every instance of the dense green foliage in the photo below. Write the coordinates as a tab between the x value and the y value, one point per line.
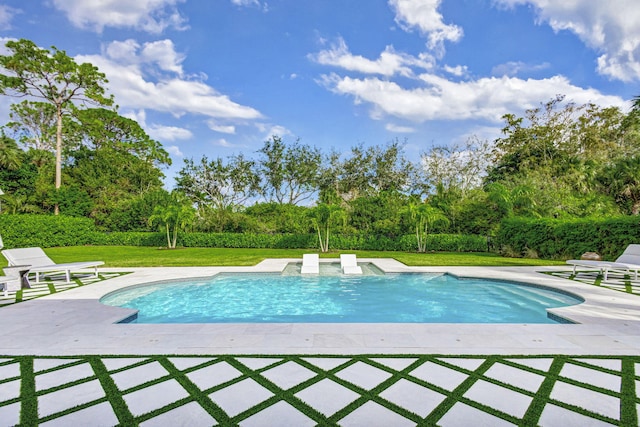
49	231
567	238
57	80
46	231
558	161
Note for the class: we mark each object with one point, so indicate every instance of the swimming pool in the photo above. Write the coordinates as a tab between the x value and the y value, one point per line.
390	298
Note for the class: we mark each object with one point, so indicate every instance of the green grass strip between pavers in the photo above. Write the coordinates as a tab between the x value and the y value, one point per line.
629	402
28	399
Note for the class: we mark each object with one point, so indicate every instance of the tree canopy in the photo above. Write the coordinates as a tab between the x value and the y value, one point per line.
557	160
52	77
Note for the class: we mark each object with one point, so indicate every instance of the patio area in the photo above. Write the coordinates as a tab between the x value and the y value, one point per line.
64	361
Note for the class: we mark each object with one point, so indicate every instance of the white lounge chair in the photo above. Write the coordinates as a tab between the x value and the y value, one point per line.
310	264
38	262
11	281
349	264
628	262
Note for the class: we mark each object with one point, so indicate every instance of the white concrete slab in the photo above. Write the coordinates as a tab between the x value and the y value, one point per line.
66	398
413	397
372	414
581	397
100	415
189	415
74	322
327	397
288	375
553	415
240	396
154	397
363	375
282	414
462	414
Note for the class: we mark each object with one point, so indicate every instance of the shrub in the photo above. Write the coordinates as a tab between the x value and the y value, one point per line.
131	238
435	242
563	239
46	231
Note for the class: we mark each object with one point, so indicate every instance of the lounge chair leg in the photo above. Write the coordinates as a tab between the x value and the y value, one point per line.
37	278
68	276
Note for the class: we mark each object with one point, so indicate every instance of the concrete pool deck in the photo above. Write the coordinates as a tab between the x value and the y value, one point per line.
74	322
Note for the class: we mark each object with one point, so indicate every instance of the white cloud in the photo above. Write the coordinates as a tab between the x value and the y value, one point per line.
168	133
514	68
399	129
269	130
138	79
157	131
458	70
246	2
440	99
160	53
139	116
610	27
424	15
175	151
388	64
480	133
4	50
163	54
217	127
223	143
152	16
6	16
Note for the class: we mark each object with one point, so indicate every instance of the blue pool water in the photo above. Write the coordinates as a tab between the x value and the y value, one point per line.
391	298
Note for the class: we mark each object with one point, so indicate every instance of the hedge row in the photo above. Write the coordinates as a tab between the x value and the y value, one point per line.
49	231
46	231
564	239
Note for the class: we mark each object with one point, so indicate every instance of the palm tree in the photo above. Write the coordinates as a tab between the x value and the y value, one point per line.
635	103
324	216
177	213
14	204
10	153
424	217
624	182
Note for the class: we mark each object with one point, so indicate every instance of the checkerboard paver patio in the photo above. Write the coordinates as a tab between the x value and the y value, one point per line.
326	390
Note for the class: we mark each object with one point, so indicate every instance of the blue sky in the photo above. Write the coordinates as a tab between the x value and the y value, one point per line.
219	77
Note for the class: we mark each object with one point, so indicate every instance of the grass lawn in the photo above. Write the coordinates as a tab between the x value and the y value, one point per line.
135	256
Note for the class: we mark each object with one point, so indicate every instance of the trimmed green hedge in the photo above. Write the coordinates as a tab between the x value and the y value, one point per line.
246	240
46	231
435	242
564	239
49	231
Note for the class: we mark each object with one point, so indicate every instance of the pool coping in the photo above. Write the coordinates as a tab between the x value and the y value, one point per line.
74	322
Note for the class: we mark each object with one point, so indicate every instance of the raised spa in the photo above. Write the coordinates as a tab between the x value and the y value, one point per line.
371	298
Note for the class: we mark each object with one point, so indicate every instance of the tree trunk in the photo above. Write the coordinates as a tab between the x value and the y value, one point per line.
420	239
326	240
58	184
175	236
322	249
